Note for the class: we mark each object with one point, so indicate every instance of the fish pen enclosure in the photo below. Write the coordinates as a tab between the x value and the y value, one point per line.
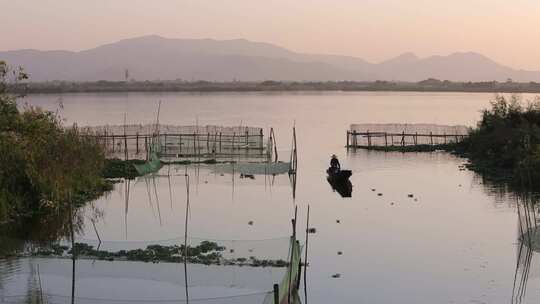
400	136
185	142
94	271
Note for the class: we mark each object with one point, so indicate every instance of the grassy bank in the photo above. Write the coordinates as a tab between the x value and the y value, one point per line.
506	142
45	168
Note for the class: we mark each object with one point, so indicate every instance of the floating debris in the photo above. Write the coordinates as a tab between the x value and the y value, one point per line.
339	252
336	276
392	204
373	189
410	195
416	200
312	230
250	223
338	221
379	194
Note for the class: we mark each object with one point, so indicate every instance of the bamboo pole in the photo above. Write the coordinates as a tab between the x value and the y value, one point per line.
276	294
165	143
73	250
146	146
261	139
126	155
40	286
207	142
194	144
137	143
306	255
214	148
186	252
291	256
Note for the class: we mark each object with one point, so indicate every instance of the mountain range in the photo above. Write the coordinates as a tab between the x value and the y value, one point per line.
158	58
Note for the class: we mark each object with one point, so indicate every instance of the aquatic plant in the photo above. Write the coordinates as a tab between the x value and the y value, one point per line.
207	253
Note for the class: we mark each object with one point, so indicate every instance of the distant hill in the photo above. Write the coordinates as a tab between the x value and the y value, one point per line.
158	58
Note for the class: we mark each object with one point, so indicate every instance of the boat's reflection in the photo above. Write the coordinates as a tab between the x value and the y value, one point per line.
343	188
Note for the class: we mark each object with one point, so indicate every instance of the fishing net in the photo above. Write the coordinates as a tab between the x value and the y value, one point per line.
150	129
406	134
151	166
183	142
218	271
266	168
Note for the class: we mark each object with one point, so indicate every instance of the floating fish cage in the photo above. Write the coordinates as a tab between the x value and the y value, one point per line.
401	135
185	142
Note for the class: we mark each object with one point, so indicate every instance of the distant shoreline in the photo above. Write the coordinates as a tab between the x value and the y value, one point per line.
430	85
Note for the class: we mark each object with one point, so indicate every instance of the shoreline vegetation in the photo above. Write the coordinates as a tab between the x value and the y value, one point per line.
505	145
47	171
428	85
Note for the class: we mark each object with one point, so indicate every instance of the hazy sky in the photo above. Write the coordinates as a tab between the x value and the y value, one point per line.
507	31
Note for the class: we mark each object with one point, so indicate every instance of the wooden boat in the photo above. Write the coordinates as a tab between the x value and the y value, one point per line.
339	181
340	175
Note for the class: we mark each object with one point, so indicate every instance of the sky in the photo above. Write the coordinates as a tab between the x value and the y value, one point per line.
506	31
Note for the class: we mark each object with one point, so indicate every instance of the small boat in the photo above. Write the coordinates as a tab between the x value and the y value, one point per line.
339	175
339	181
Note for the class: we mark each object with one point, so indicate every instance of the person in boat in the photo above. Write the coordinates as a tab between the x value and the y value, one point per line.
335	166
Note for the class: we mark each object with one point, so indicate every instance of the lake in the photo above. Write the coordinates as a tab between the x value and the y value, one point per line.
454	241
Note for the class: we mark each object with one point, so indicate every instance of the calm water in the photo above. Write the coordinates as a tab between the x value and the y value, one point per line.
454	242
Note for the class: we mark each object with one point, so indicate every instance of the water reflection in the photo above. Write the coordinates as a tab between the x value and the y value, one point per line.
344	188
529	243
73	276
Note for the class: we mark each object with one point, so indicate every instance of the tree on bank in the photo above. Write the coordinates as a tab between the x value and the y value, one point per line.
44	167
507	140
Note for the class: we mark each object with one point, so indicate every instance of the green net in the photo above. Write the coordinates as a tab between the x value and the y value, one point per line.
151	166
